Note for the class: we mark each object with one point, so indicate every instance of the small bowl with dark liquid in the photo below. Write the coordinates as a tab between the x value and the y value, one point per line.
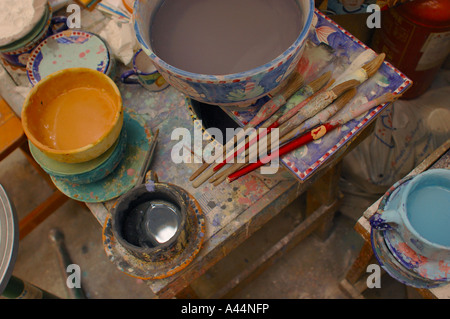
150	222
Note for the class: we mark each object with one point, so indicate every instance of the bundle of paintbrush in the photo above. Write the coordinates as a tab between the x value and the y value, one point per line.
315	106
340	119
303	96
293	84
309	113
230	147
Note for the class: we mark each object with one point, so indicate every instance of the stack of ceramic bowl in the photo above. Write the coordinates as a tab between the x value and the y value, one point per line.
53	119
15	47
69	49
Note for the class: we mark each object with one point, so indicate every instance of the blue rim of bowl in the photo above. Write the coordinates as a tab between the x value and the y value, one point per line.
227	77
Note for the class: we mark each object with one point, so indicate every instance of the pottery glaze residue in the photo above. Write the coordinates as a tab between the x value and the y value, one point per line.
224	37
77	118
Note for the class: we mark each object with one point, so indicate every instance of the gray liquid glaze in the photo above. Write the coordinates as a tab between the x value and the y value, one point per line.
218	37
151	223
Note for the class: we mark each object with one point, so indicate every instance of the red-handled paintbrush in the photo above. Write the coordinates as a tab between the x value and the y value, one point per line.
314	134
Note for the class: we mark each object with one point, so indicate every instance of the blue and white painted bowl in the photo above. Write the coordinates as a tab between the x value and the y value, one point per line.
232	90
68	49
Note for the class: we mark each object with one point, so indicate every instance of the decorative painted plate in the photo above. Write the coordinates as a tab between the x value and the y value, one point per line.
65	50
394	268
125	176
348	52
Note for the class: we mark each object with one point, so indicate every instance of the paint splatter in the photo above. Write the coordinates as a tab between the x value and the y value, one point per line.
216	220
150	186
101	49
444	267
211	204
415	258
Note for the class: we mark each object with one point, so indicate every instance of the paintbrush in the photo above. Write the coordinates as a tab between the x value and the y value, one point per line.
295	82
359	76
305	94
316	133
292	85
318	102
320	117
316	105
364	72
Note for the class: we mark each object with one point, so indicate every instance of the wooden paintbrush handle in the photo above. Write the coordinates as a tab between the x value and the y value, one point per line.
288	147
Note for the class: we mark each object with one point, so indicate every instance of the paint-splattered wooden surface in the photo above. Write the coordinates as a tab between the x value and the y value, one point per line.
232	211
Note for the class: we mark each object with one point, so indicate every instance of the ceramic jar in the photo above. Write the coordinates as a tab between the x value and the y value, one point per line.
131	228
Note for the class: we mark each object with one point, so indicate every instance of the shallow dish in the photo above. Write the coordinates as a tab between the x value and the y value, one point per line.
89	123
68	49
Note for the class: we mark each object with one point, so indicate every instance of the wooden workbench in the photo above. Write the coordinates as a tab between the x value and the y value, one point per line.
233	212
354	282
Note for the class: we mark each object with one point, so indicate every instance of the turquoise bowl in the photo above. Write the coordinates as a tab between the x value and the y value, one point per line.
85	172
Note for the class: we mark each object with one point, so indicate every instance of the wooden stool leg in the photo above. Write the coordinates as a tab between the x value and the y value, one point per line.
187	293
351	284
324	192
26	152
40	213
360	265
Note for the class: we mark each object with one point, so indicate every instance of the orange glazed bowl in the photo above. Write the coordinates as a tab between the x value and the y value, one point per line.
73	115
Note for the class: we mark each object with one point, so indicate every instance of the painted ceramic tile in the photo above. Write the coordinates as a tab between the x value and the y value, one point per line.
307	159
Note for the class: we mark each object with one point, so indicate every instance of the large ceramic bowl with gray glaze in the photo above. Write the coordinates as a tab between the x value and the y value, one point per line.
235	90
